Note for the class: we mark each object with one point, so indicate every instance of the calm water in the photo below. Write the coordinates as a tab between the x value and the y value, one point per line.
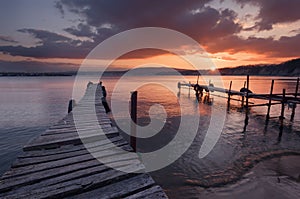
29	105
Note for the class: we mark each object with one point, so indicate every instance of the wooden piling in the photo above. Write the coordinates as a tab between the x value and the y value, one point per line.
229	94
294	105
189	88
247	93
247	104
281	118
282	105
243	98
133	115
270	101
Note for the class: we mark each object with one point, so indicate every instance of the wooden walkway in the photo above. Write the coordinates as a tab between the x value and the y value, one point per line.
57	165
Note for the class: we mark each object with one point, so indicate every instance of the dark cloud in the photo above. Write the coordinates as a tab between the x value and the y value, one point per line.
134	13
48	37
60	8
283	47
177	15
7	39
216	29
50	45
102	19
274	11
82	30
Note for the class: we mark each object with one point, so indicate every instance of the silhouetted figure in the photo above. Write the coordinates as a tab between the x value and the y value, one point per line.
103	99
71	105
104	91
199	91
99	86
105	104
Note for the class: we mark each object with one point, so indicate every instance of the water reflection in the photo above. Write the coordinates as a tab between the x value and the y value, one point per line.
30	105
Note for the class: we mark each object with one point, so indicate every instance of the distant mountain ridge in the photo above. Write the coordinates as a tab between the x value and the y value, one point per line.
289	68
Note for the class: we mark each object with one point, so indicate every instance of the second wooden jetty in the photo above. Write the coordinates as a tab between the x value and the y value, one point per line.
292	99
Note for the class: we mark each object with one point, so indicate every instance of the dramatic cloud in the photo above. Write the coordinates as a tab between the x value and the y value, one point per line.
82	30
190	17
274	12
7	39
216	29
60	8
102	19
284	47
50	45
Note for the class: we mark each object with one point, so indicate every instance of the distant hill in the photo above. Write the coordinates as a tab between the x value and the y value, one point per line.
289	68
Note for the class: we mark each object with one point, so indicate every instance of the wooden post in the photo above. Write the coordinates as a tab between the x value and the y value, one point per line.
247	104
229	94
270	101
282	105
281	118
243	98
294	105
133	115
71	105
247	93
189	88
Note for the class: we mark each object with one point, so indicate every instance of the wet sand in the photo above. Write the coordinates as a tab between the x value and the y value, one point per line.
275	178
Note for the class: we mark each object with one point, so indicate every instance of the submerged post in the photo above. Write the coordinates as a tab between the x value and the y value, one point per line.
247	104
282	105
133	114
281	118
294	105
243	98
270	101
247	93
189	88
229	93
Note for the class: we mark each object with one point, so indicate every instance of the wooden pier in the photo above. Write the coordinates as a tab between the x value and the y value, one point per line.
57	164
292	99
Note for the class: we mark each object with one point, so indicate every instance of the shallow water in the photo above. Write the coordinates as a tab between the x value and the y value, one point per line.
29	105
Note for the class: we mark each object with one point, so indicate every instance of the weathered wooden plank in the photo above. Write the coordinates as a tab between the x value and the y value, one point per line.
153	192
72	124
66	174
83	184
21	180
104	156
35	160
61	139
68	148
85	123
73	129
118	190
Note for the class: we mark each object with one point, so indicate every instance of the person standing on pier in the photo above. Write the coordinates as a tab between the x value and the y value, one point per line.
104	102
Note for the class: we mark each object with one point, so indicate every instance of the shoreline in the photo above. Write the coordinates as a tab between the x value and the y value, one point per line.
277	176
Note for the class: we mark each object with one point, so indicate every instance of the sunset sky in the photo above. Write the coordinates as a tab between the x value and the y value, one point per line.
57	35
